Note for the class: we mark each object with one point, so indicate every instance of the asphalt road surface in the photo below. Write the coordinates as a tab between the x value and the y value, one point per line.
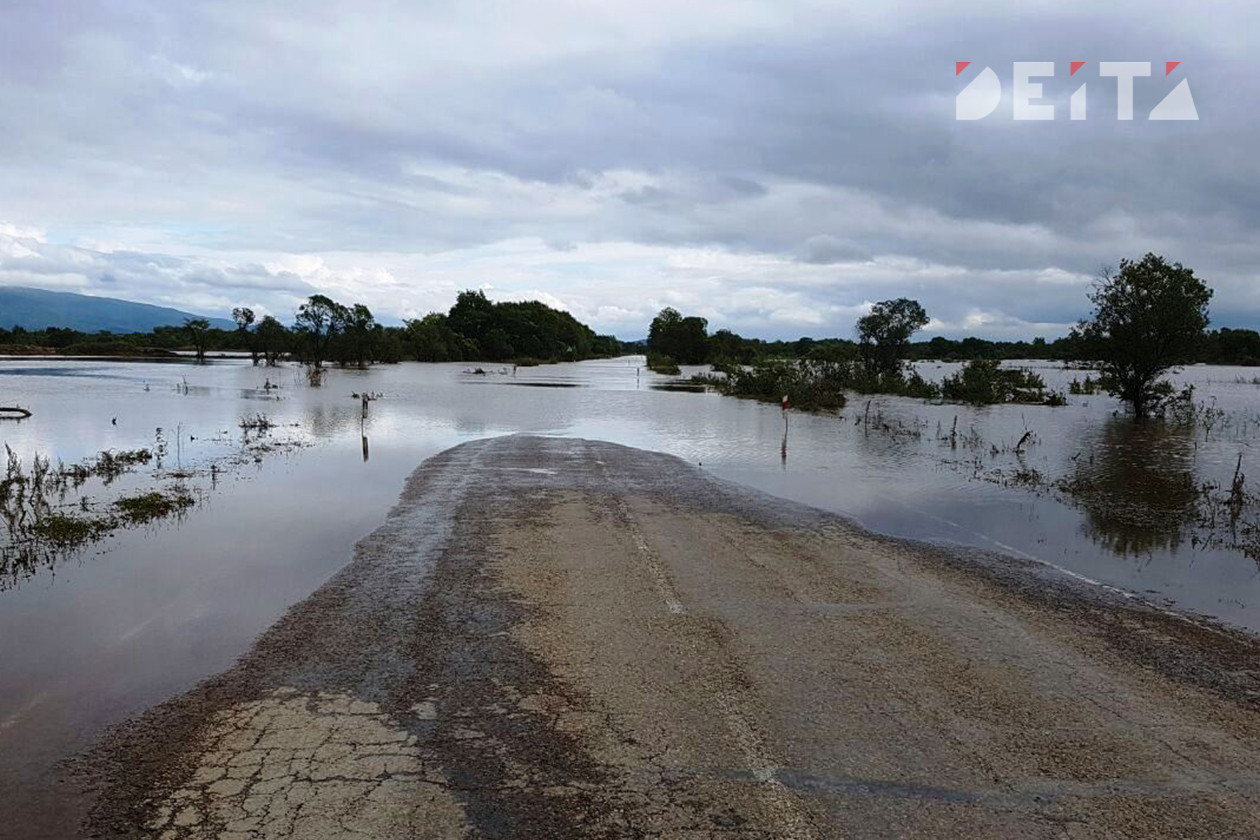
557	638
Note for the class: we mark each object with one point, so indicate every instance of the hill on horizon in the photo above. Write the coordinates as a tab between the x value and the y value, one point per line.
36	309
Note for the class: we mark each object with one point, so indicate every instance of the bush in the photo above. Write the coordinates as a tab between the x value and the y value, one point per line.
808	384
1087	388
147	507
986	382
662	364
1056	399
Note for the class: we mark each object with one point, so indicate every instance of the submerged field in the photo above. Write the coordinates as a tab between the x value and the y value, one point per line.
95	630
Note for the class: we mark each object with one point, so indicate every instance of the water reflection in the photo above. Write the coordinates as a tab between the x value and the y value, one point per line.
545	384
329	419
1137	485
783	446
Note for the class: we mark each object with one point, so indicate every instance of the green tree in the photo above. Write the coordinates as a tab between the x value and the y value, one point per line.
884	335
472	315
387	344
726	347
430	338
244	318
272	340
685	340
606	345
356	333
197	331
317	322
1149	317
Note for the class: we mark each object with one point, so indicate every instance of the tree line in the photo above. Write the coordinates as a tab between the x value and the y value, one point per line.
1148	317
324	330
1224	346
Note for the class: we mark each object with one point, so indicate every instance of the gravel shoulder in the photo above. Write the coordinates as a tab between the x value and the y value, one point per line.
561	638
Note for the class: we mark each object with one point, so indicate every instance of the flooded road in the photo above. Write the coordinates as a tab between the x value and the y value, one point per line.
99	635
561	638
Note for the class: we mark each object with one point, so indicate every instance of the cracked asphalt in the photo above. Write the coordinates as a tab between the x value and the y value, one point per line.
558	638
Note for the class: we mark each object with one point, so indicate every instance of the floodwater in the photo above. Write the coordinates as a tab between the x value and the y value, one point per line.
90	639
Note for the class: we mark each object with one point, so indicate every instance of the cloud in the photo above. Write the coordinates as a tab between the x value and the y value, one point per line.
770	165
824	248
200	284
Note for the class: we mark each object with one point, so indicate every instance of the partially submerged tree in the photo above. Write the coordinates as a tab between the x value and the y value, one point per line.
317	321
357	331
198	332
1149	317
884	335
685	340
244	318
271	338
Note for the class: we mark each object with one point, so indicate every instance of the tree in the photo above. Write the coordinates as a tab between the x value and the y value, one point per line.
198	332
244	318
317	321
685	340
606	345
884	334
1233	347
728	348
271	339
430	338
472	315
356	329
479	328
1149	317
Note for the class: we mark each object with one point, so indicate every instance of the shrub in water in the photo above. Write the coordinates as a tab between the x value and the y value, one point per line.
986	382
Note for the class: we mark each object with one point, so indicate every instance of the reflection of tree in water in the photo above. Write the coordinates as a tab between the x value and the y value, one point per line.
330	420
1137	486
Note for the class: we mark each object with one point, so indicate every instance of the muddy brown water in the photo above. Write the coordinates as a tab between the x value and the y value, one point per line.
92	638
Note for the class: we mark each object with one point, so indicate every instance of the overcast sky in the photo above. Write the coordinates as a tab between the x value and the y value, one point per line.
773	166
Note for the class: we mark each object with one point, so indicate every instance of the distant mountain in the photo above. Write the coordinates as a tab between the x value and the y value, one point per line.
35	309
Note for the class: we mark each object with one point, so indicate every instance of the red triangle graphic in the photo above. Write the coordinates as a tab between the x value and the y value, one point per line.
1076	65
960	66
1170	66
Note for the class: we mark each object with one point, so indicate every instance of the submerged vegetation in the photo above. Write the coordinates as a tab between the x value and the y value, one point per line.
1139	486
1148	318
877	364
660	363
807	384
53	511
985	382
1088	387
146	507
820	383
43	521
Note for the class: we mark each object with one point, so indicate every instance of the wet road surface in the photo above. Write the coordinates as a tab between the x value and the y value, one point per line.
556	638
